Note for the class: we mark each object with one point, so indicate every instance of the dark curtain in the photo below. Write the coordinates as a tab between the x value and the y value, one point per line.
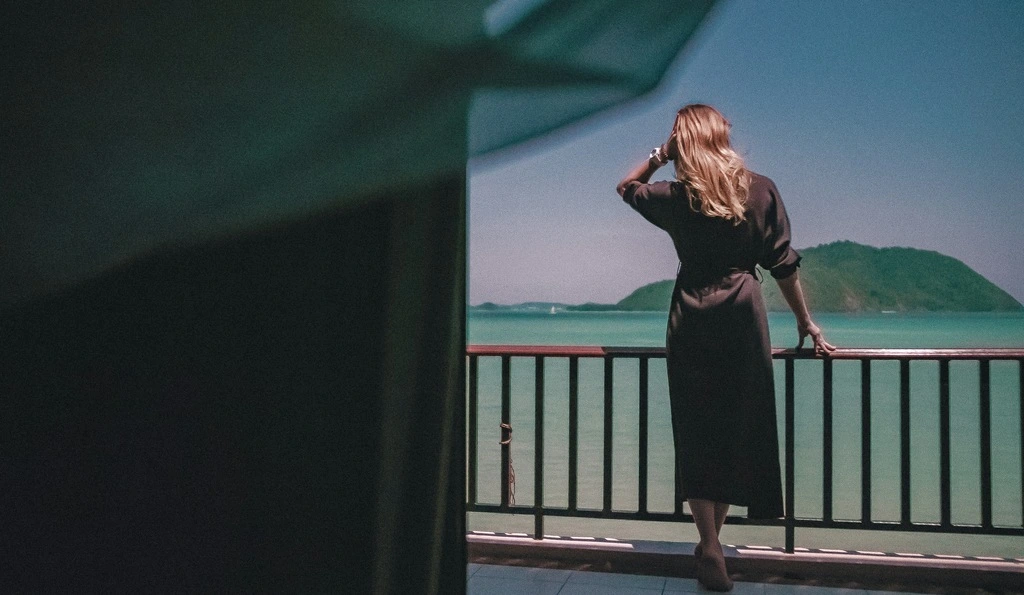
270	412
232	277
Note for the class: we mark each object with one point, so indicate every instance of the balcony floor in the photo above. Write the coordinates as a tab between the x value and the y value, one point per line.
491	579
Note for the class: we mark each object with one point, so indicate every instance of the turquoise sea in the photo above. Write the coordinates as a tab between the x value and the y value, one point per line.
845	330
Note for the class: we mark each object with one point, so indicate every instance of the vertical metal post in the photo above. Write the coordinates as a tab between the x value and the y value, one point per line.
677	488
985	415
865	440
945	514
608	365
574	421
790	460
642	474
506	423
905	442
474	376
826	441
538	456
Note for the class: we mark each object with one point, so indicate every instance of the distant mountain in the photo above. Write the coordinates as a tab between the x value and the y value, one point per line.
851	277
523	307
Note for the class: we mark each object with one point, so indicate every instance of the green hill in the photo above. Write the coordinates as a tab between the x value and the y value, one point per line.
851	277
653	296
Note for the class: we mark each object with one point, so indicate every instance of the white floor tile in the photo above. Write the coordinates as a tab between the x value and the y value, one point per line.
589	589
777	589
523	573
493	585
635	581
681	585
690	585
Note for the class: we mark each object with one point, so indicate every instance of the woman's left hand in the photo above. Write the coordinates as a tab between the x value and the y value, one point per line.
821	346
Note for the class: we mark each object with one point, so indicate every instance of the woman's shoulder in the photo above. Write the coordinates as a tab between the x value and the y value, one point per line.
761	183
762	191
665	187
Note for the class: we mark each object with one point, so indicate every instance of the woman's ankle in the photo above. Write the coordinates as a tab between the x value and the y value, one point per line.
710	545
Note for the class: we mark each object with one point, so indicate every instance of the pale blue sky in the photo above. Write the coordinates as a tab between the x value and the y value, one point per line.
886	123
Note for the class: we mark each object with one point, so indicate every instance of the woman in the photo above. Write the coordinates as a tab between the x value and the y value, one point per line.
724	220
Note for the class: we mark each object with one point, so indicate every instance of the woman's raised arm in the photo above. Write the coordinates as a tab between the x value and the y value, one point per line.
642	173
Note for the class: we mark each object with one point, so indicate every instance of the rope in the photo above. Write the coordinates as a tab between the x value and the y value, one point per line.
511	470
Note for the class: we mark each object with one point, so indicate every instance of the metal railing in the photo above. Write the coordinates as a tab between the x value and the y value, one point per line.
790	521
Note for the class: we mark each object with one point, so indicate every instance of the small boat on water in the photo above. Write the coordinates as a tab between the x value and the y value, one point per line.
552	309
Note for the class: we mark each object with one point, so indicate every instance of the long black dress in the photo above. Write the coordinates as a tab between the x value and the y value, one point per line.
719	355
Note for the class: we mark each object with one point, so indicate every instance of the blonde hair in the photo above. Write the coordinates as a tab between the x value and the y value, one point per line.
717	181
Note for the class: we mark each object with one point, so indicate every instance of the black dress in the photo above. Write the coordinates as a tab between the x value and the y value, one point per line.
719	355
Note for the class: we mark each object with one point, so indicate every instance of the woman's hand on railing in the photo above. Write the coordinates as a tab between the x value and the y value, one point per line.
808	328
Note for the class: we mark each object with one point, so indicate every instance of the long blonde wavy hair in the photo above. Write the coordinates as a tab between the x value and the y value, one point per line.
717	181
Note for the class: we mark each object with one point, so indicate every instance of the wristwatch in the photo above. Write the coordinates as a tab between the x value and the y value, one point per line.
659	157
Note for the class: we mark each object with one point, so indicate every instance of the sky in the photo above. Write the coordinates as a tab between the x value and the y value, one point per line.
885	123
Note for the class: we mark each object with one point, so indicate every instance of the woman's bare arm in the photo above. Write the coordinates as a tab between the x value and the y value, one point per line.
794	294
642	173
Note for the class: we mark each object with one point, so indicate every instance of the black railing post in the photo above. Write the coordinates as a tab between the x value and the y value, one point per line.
506	429
574	424
538	456
826	440
945	515
905	442
642	455
474	379
677	488
790	460
985	437
608	379
865	441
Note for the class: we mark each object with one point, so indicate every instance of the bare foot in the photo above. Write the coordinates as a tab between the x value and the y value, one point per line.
711	571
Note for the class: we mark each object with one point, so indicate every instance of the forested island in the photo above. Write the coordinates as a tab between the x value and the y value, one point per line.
847	277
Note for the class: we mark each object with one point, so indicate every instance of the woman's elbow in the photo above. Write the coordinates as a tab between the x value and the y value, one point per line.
621	187
786	277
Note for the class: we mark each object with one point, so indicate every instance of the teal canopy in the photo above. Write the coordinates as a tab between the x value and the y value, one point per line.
130	127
